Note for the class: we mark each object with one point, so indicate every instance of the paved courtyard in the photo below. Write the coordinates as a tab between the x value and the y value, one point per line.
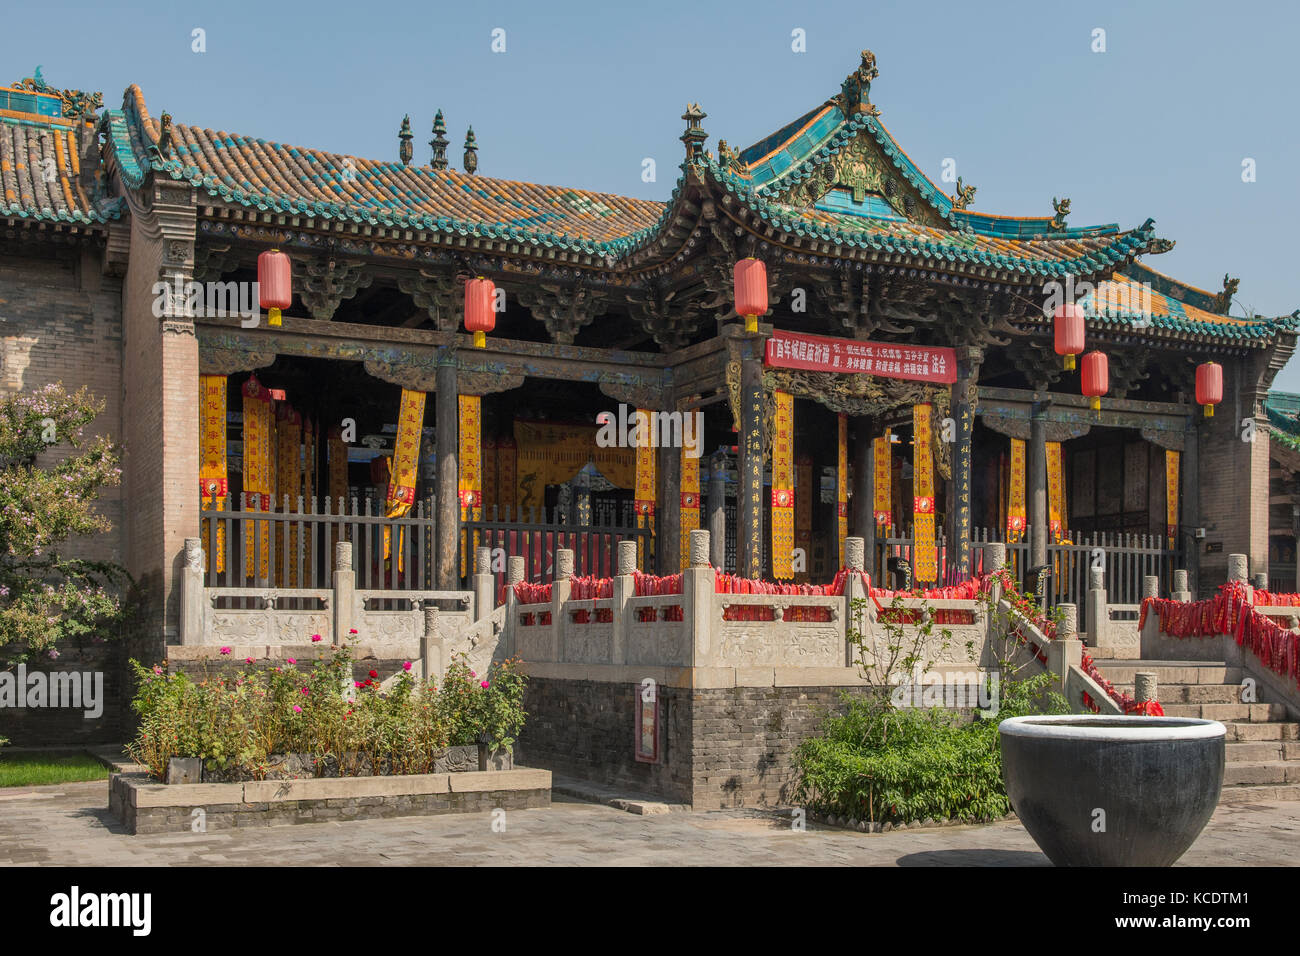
69	824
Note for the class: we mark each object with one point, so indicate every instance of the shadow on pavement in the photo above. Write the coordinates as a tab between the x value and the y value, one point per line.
975	857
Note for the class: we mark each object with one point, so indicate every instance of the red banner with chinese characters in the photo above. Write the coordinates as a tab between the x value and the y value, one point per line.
783	486
925	558
820	353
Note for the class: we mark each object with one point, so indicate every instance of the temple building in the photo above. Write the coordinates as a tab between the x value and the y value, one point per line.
902	382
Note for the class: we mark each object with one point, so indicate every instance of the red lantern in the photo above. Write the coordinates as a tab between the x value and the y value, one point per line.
1096	378
1209	386
480	316
751	291
1068	323
274	284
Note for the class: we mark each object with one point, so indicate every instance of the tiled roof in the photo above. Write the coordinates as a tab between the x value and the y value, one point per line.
40	171
1129	303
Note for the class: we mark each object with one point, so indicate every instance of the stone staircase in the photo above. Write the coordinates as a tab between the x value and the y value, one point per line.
1263	744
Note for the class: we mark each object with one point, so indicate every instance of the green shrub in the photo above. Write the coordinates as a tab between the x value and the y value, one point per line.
347	727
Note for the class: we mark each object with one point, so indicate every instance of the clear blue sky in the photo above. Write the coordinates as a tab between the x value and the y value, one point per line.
1158	125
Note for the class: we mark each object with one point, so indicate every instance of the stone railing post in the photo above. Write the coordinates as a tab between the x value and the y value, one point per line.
345	592
1181	591
560	590
1066	650
1260	581
484	584
191	630
995	559
1144	686
1098	612
1238	570
855	590
514	574
431	645
1150	586
624	589
698	587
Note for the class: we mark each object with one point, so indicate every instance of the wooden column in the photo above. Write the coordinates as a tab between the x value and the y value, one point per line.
668	511
717	511
749	490
864	487
447	412
1037	490
963	414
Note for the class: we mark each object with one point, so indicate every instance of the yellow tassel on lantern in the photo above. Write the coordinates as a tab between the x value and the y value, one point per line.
1094	403
751	323
480	340
1209	411
1069	361
273	316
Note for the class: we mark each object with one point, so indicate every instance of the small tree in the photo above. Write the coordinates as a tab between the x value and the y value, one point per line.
44	596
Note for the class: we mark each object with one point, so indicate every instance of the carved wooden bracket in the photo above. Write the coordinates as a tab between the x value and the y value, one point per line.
670	323
637	394
212	260
323	284
564	310
438	294
1022	428
215	361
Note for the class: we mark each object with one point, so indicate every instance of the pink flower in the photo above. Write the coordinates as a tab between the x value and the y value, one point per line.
248	660
352	631
225	651
292	661
315	638
297	709
483	684
157	669
356	683
406	666
306	691
472	674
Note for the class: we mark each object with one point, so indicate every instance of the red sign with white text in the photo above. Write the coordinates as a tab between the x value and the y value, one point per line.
820	353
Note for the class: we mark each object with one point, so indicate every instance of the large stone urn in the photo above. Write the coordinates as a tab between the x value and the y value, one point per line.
1101	790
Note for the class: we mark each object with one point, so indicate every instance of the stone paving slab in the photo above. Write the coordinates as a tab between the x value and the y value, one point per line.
69	825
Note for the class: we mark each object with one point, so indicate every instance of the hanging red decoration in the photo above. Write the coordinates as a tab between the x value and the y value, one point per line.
751	291
1068	324
1209	386
480	311
1096	378
274	284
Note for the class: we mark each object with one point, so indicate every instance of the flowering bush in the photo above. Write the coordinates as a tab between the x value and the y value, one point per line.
45	597
241	725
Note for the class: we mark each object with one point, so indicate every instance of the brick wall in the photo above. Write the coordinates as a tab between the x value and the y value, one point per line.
61	321
65	726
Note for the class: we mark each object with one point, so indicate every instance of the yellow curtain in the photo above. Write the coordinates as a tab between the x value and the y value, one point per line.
551	454
925	558
213	484
258	474
783	487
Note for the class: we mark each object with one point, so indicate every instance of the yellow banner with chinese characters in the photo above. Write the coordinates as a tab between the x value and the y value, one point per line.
213	485
1056	519
404	469
1017	516
925	556
469	483
783	487
883	461
804	494
645	485
690	504
491	489
1171	496
258	475
288	477
506	484
548	453
841	485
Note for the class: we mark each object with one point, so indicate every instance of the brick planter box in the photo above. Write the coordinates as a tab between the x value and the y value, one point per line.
146	806
458	759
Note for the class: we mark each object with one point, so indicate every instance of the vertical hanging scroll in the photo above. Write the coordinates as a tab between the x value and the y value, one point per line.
925	553
1016	513
1055	491
288	485
690	503
883	507
645	483
491	482
842	486
804	493
1171	496
405	468
257	475
213	486
506	472
783	486
470	481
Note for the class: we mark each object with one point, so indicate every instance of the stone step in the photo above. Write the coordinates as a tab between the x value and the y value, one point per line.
1254	713
1279	730
1255	774
1258	794
1248	751
1193	693
1170	672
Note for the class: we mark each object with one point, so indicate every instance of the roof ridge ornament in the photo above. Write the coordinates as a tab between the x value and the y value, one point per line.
1062	209
855	91
74	102
964	197
439	143
729	159
404	137
471	152
1223	301
694	137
